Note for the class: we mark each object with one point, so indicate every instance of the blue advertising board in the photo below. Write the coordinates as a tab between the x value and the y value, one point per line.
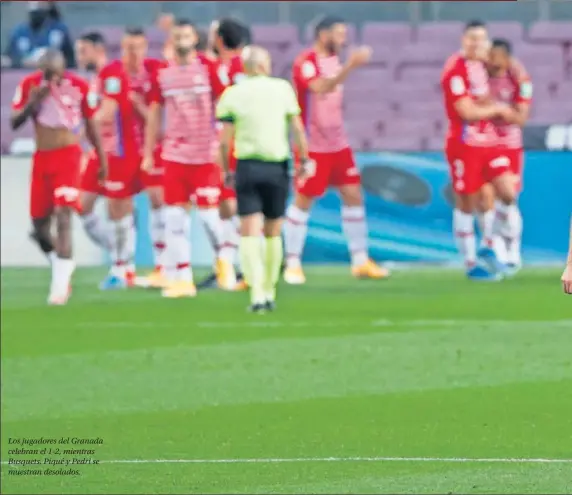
408	201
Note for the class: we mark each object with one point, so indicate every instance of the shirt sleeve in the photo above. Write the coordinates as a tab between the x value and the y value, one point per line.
455	85
154	95
110	84
292	106
304	72
21	95
225	111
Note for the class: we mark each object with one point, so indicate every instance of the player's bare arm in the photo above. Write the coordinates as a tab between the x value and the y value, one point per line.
107	110
357	58
470	111
37	95
567	275
94	138
152	125
226	139
301	142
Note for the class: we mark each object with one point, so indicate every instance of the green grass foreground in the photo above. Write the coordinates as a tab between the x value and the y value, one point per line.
423	383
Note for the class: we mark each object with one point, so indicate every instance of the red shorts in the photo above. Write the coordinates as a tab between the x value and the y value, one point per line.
155	176
472	166
332	169
199	184
123	178
56	179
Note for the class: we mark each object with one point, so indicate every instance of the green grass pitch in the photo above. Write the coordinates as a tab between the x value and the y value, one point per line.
423	383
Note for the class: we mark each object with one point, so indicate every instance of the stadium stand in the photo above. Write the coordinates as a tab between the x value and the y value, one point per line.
394	103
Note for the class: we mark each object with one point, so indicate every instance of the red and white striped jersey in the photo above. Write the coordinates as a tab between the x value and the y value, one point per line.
185	92
67	104
512	88
462	78
322	114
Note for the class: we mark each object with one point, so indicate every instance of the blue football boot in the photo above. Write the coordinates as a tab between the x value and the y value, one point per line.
113	282
481	274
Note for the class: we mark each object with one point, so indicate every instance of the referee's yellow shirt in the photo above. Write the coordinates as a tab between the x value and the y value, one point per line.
260	107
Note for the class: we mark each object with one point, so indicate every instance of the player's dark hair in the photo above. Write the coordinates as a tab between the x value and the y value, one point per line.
183	22
93	37
474	24
135	31
246	35
231	32
202	41
326	23
504	44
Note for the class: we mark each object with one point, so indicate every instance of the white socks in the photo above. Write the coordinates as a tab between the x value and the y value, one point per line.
508	224
213	227
486	225
464	231
95	228
62	270
157	232
295	230
230	239
355	230
178	243
122	239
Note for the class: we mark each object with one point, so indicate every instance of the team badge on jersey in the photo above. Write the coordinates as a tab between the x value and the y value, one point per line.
308	70
526	90
239	77
222	74
113	85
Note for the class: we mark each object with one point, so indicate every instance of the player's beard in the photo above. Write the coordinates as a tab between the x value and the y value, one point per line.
90	67
183	50
331	48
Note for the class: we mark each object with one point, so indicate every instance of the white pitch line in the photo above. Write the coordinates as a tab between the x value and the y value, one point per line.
271	460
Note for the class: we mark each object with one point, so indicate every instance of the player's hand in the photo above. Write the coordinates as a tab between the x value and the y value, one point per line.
38	94
103	169
506	113
147	163
360	56
229	179
567	279
136	98
306	170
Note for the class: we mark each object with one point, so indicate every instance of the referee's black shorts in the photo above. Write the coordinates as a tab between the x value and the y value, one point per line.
262	187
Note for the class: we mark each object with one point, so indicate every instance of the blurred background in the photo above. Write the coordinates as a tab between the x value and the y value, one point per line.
394	110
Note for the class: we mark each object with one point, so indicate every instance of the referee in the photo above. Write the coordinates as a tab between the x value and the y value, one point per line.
258	114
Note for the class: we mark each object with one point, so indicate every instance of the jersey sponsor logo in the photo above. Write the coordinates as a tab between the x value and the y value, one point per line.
526	90
18	95
308	70
92	100
113	85
457	86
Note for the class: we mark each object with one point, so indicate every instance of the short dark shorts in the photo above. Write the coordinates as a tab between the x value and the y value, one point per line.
262	187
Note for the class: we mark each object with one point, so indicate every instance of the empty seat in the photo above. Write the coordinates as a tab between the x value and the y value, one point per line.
440	32
511	31
531	54
393	35
281	35
551	32
9	82
434	54
112	34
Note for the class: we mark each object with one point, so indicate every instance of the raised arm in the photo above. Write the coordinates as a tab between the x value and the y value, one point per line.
26	103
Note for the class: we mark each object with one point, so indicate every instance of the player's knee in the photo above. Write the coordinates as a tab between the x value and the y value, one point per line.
155	197
87	202
119	208
303	202
63	215
467	203
486	200
351	196
227	209
41	228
